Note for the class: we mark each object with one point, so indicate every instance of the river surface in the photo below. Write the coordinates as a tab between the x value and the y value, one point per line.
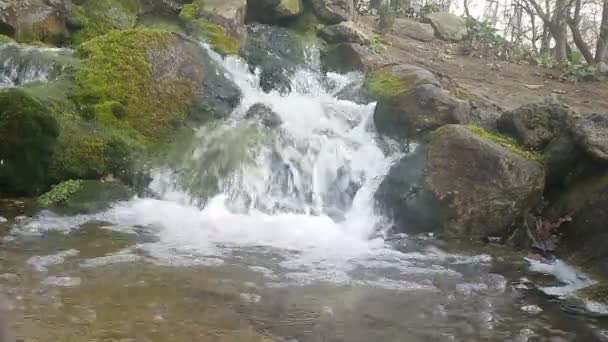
271	235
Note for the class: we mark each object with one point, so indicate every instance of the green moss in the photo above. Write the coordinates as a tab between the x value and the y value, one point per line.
382	84
160	24
596	293
214	34
6	39
507	142
98	17
289	7
28	135
60	192
116	69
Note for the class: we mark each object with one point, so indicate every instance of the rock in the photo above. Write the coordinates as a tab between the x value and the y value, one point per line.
448	26
346	57
561	157
28	135
591	133
162	7
602	67
334	11
85	197
344	32
3	220
461	184
413	29
221	27
35	20
536	124
584	238
93	18
264	114
424	108
392	81
276	52
271	11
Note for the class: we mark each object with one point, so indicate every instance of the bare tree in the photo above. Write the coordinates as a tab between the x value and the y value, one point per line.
555	23
574	22
601	50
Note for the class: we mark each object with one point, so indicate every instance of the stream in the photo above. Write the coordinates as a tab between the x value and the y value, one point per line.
270	234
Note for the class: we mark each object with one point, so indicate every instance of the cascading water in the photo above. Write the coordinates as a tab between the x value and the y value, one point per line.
23	64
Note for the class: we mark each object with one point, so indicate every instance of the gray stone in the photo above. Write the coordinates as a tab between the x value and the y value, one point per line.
344	32
462	185
346	57
334	11
591	133
448	26
270	11
413	29
264	114
35	20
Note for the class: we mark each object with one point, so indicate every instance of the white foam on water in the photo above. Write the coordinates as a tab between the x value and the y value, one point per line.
23	64
572	278
41	263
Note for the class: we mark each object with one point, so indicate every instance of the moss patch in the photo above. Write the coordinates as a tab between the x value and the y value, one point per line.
214	34
60	192
98	17
507	142
381	83
28	135
6	39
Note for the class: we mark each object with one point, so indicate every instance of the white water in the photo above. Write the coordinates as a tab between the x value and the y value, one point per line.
24	64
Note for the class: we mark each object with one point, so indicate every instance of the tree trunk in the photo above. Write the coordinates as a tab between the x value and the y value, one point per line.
579	41
545	44
559	31
601	50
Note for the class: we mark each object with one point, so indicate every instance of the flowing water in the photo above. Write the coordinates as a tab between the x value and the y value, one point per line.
270	235
21	65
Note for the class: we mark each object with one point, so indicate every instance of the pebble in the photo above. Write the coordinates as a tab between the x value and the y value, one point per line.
532	309
3	220
20	218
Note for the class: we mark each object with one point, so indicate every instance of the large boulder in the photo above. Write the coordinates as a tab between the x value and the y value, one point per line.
221	24
346	57
344	32
461	183
424	108
413	29
535	125
35	20
584	238
448	26
591	133
92	18
152	90
334	11
276	52
28	134
271	11
394	80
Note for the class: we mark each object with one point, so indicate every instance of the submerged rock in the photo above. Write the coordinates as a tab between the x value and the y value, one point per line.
28	135
448	26
264	114
462	184
344	32
85	197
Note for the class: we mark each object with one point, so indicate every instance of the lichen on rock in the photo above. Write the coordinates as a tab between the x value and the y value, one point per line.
203	28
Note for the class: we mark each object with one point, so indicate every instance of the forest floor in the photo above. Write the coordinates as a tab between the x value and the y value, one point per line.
505	84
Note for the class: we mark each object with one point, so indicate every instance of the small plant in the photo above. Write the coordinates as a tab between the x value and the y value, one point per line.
60	192
378	44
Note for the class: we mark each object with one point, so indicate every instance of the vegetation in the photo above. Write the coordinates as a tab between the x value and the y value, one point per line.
377	44
508	143
381	83
99	17
60	192
6	39
214	34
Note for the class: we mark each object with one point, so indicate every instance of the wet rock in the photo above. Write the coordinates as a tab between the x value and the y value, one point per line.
334	11
3	220
448	26
28	135
561	158
461	184
85	197
276	52
271	11
344	32
413	29
221	24
591	132
264	114
229	14
424	108
584	238
346	57
162	6
535	125
35	20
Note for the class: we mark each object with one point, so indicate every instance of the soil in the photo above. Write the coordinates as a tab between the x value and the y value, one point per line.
500	82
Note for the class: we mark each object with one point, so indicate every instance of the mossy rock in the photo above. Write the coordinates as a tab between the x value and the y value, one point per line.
6	39
85	196
202	28
596	293
28	135
152	75
392	81
98	17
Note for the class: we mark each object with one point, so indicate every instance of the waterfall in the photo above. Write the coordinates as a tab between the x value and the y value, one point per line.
23	64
